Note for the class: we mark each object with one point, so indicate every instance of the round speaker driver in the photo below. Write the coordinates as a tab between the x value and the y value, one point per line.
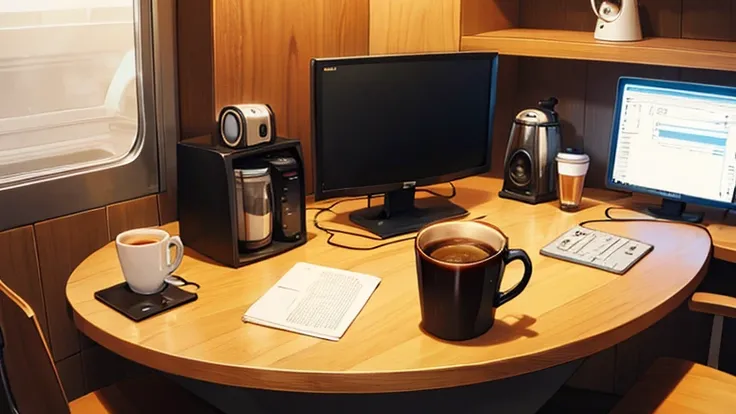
232	132
520	168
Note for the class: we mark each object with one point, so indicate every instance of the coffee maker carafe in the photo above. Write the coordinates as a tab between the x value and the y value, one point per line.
254	200
529	169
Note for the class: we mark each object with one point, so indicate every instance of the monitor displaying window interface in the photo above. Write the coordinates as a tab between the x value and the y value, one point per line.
676	140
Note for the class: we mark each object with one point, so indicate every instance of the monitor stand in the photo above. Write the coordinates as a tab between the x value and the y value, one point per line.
675	211
401	213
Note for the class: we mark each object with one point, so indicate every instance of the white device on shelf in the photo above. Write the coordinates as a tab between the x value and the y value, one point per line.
618	21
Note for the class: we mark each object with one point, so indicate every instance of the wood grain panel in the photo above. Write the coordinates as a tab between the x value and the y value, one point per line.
194	59
596	373
564	79
678	386
714	77
263	50
62	244
707	19
414	26
141	212
31	373
549	14
478	16
102	368
72	376
600	100
19	264
167	207
681	334
661	18
556	14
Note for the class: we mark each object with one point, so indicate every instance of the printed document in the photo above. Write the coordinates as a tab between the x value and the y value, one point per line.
314	300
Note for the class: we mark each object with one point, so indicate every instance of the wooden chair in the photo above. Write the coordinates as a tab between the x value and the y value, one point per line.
677	386
30	382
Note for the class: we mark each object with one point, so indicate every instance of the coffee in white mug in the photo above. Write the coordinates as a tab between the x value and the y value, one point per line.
145	259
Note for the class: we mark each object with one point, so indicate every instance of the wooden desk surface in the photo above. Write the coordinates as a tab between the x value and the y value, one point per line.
567	312
721	223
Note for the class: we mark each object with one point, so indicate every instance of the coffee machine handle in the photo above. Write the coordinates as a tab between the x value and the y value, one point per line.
549	103
510	256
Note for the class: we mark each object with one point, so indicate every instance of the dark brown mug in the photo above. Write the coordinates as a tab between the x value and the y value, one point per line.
459	295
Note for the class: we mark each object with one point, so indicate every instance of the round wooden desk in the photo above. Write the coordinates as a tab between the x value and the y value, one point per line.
566	313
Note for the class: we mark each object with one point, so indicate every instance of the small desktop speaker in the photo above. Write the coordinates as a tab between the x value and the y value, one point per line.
530	173
246	125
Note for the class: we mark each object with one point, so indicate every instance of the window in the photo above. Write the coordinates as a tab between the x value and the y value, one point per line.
68	76
81	122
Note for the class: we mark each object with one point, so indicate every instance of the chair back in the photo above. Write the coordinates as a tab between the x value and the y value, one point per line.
28	372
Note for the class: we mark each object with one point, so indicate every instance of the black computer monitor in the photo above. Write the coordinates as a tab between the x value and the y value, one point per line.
391	123
675	140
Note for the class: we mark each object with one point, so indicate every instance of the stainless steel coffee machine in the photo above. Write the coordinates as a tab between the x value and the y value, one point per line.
530	173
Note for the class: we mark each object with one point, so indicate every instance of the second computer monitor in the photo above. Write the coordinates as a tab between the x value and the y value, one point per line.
676	140
391	123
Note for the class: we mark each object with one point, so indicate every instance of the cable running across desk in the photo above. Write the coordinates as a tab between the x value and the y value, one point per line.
333	232
610	219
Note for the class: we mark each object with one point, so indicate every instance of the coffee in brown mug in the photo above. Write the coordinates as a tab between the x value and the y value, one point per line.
459	250
460	266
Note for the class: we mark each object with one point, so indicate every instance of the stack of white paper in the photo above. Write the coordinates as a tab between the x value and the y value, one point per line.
314	300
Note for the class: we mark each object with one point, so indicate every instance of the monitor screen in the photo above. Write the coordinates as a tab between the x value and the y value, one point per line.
676	140
380	122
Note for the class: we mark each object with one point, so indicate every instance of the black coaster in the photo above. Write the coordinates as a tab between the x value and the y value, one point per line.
139	307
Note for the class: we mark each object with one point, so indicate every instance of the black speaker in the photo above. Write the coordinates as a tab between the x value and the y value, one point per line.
529	168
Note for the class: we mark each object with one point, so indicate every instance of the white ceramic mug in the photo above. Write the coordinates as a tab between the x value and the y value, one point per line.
145	259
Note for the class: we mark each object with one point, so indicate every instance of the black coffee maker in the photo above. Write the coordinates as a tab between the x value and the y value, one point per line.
530	173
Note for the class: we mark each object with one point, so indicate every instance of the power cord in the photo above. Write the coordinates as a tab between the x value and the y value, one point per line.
331	232
610	219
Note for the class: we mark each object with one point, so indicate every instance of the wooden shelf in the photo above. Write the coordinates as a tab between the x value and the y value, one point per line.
561	44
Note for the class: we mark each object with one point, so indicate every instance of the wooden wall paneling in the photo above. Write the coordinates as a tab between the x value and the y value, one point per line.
715	77
506	110
681	334
167	210
72	377
263	51
141	212
414	26
579	16
596	373
707	19
563	79
661	18
556	14
194	60
479	16
102	368
19	270
535	14
62	244
600	99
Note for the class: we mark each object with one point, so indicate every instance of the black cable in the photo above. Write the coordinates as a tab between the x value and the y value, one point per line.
611	219
333	232
436	194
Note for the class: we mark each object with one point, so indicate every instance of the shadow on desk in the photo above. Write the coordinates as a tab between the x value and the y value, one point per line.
501	332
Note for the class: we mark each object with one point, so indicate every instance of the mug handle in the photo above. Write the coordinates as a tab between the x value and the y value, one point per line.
176	242
516	254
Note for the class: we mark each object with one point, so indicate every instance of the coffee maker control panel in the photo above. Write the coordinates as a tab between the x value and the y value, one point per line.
288	200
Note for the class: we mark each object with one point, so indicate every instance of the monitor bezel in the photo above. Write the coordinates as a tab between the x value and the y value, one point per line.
625	81
316	68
